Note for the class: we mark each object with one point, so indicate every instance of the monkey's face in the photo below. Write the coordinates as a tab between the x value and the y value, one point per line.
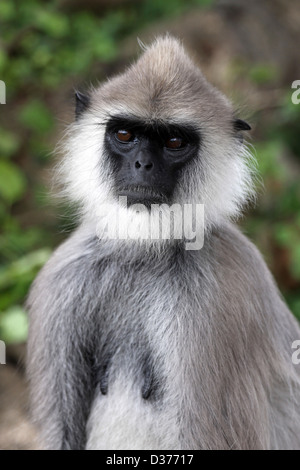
158	133
146	160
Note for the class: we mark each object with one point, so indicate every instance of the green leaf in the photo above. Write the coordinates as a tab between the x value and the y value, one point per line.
12	181
36	116
7	10
295	263
23	267
54	24
9	143
269	163
263	73
14	325
284	234
3	60
294	303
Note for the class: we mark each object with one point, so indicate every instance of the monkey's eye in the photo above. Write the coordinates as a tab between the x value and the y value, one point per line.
175	143
124	136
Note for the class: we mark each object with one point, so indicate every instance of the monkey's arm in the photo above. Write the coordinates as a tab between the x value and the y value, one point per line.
251	291
59	362
262	331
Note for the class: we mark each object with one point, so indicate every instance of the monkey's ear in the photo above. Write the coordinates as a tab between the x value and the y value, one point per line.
81	103
240	125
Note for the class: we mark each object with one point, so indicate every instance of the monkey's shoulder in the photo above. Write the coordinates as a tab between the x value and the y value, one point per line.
231	249
242	273
239	267
74	264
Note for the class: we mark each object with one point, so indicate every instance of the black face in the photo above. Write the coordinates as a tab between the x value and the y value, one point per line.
147	159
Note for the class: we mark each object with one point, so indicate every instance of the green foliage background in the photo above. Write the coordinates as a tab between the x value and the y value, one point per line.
44	48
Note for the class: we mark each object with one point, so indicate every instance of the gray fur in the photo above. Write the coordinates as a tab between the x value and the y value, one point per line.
136	345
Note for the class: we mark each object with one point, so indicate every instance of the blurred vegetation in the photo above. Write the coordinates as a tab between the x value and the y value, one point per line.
44	47
275	224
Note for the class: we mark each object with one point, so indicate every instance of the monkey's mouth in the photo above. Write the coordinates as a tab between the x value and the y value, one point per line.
141	195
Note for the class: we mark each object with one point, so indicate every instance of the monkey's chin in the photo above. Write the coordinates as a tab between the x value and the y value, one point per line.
146	199
147	202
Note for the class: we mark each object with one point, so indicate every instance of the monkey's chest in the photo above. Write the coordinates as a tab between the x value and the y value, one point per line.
141	366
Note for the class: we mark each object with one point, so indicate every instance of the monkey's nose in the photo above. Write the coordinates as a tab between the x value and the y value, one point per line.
144	165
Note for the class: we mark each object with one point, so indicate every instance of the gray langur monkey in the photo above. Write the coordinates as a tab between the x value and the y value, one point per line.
142	344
